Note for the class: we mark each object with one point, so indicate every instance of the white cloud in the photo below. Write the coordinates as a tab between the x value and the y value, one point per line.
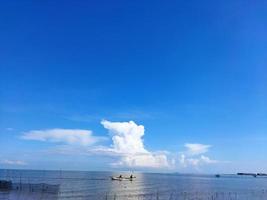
182	160
196	149
129	146
207	160
13	162
202	160
193	156
126	136
148	160
69	136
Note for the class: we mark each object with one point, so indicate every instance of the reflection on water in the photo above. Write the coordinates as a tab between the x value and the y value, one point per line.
98	186
126	189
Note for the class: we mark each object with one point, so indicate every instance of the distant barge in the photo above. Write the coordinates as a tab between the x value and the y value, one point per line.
251	174
261	174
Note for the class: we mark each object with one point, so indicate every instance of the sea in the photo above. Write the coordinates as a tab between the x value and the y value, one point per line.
85	185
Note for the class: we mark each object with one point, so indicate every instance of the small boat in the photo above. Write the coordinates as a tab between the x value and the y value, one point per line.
129	178
217	175
117	178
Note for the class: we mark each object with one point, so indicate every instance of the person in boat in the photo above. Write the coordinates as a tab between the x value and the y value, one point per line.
120	176
131	176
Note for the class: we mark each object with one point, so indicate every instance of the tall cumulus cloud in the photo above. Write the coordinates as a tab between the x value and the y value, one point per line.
129	146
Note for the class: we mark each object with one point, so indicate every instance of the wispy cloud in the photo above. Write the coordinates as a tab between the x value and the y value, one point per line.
193	155
69	136
196	161
196	148
13	162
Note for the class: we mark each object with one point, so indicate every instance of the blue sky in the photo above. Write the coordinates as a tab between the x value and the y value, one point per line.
191	72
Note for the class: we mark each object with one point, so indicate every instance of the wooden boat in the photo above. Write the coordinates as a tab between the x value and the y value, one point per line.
122	178
116	178
129	178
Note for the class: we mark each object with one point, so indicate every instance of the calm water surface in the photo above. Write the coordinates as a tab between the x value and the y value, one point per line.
98	185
